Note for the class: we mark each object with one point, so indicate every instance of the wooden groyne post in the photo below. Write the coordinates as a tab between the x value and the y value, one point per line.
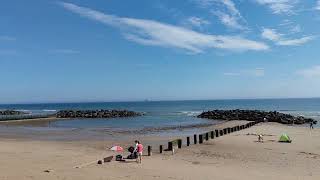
195	139
212	134
225	131
221	132
149	150
217	133
200	138
207	136
188	141
160	149
179	143
170	146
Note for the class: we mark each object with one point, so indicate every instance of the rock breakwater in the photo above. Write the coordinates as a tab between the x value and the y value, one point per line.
255	115
96	113
11	112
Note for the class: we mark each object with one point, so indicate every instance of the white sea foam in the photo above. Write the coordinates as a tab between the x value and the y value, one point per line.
23	110
49	110
189	113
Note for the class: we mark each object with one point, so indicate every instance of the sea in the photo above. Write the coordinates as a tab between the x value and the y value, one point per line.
167	113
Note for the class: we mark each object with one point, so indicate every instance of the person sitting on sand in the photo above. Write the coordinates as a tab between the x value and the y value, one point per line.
260	138
139	150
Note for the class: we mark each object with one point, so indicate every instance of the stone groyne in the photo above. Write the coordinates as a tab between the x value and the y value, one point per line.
11	112
96	113
255	115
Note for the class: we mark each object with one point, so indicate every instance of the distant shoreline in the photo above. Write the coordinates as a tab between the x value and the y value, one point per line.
150	101
29	121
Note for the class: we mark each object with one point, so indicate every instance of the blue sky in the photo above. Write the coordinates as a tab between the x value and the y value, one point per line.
116	50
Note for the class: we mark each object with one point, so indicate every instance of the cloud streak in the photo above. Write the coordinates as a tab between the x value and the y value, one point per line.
154	33
231	74
226	11
229	20
278	39
197	22
310	72
257	72
318	5
279	6
232	19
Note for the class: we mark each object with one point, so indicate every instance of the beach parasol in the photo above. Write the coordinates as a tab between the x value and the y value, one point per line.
116	148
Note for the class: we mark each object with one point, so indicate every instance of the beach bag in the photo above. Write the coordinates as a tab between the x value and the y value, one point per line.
118	157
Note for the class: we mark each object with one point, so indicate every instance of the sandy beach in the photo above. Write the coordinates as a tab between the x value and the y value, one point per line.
233	156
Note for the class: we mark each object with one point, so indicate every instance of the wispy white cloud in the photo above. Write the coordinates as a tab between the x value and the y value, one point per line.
197	22
286	22
310	72
64	51
257	72
7	38
290	26
231	74
229	20
154	33
318	5
270	34
295	29
226	11
279	6
273	35
295	42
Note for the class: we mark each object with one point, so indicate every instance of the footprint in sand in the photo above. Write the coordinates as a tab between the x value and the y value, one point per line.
310	155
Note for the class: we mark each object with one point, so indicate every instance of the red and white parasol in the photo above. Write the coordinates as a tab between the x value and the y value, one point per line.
116	148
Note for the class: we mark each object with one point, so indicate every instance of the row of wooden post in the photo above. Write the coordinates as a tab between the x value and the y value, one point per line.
206	136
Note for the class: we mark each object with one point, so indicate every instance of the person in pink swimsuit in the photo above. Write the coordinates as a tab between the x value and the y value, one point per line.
139	151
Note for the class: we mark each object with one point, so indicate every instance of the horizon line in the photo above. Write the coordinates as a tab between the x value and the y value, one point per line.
150	100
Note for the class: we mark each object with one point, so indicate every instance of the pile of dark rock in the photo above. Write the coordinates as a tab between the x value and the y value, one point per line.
11	112
96	113
255	115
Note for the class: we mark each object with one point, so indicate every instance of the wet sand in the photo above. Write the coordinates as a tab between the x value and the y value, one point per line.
233	156
40	129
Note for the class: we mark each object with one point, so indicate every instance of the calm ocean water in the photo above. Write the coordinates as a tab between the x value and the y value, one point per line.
169	113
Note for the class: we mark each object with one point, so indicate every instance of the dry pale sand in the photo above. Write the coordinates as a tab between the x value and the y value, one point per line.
233	156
